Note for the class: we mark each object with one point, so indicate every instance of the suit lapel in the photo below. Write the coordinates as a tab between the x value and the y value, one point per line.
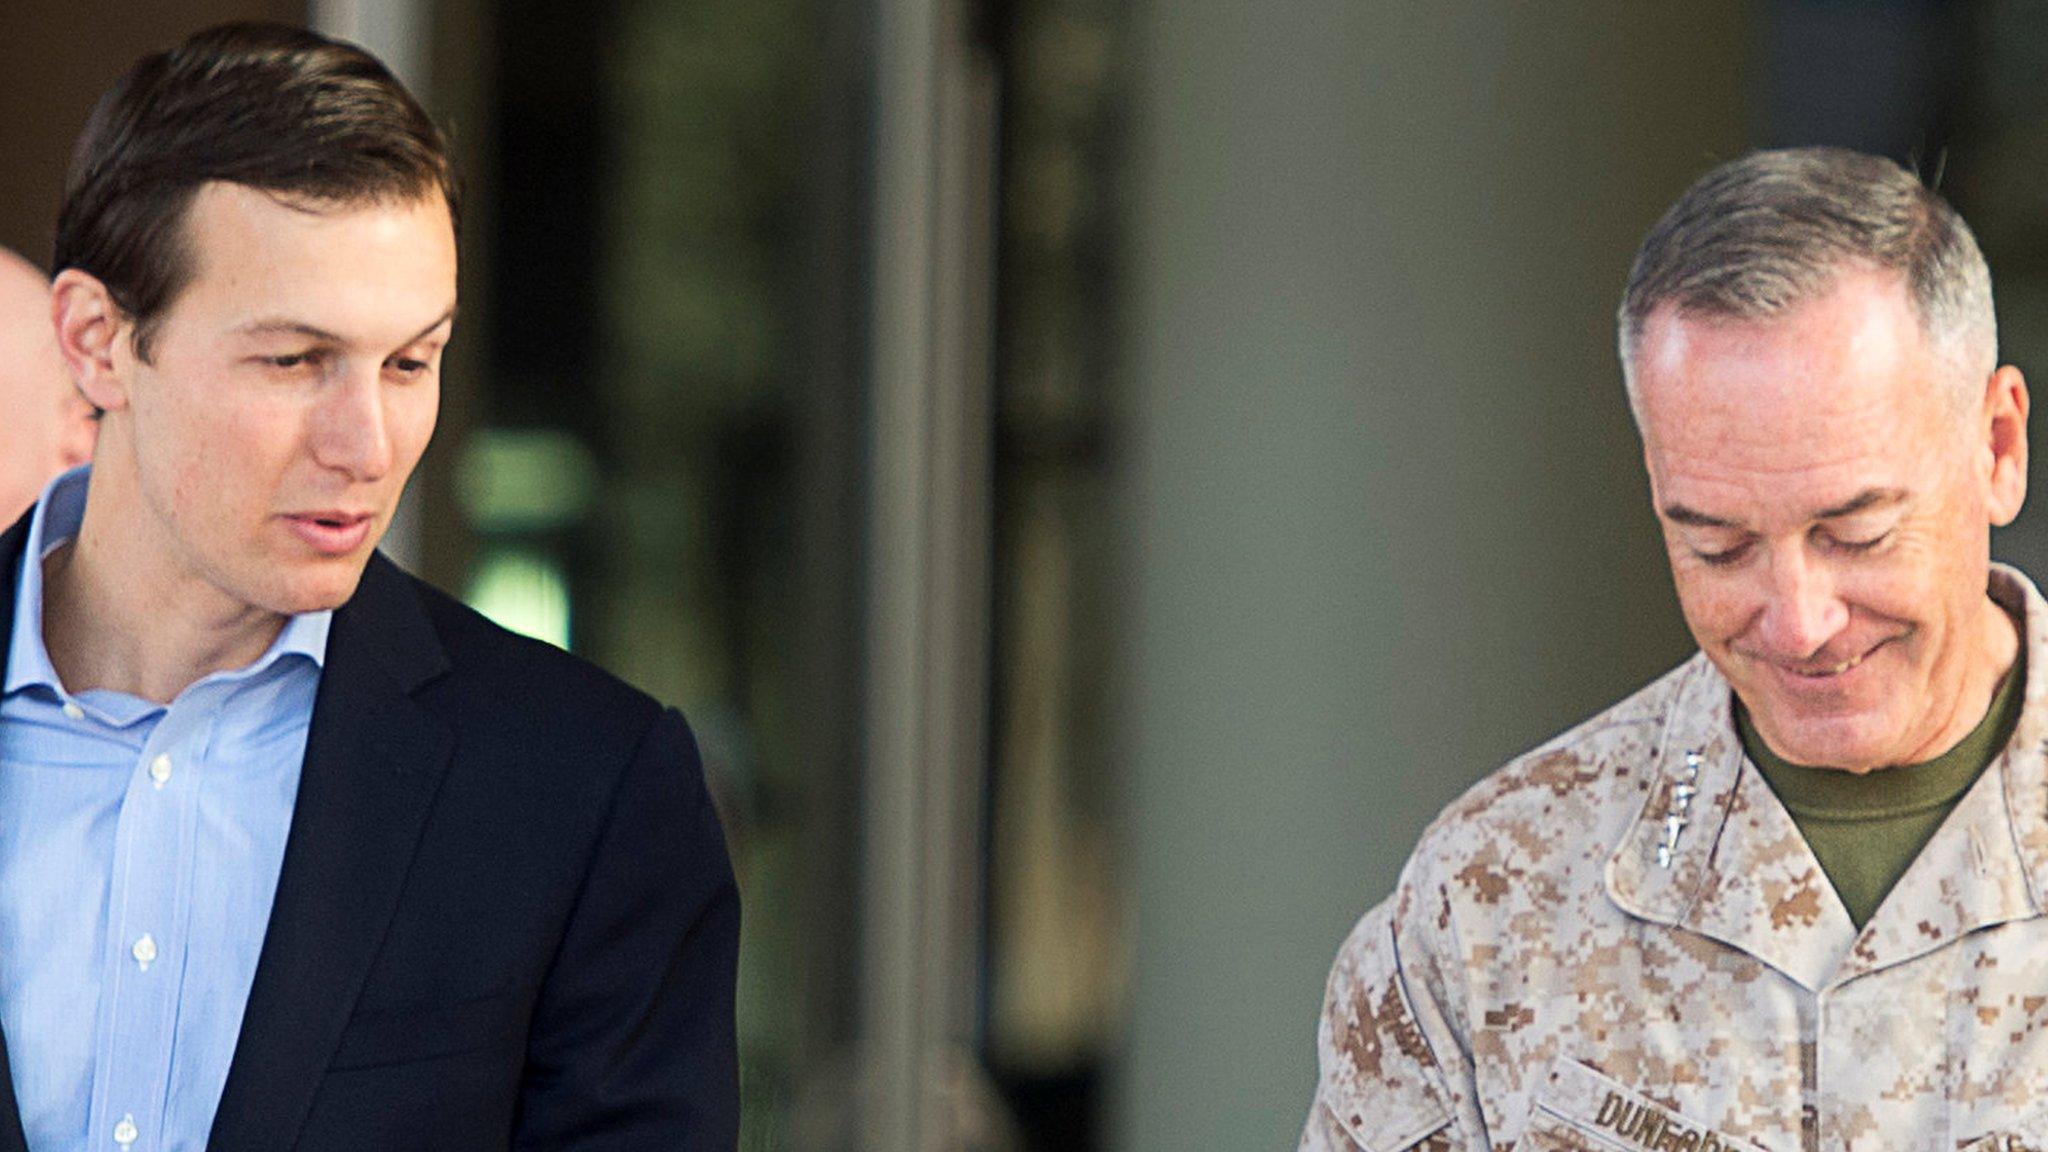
12	1138
374	759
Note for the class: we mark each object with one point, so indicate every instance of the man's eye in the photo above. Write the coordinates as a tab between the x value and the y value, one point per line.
410	367
293	360
1860	545
1723	557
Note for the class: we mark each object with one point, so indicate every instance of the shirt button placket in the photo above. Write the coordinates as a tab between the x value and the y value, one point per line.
152	899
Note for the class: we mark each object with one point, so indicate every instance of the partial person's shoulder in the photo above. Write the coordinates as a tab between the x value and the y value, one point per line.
1581	787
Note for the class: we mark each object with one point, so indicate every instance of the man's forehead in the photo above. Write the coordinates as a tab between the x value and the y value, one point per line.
272	266
1858	347
222	209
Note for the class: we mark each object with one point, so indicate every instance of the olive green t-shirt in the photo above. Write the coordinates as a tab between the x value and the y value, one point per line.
1866	830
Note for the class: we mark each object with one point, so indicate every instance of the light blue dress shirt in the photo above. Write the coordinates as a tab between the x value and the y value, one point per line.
139	852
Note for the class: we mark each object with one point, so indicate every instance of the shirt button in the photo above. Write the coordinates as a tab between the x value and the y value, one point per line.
72	710
144	951
125	1132
160	769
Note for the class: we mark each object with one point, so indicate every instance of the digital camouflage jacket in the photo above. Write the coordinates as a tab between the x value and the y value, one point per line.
1620	943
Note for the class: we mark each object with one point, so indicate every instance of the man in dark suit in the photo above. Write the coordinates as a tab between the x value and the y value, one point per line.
295	851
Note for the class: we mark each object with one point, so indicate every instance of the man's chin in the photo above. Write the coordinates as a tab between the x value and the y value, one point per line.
1850	743
327	587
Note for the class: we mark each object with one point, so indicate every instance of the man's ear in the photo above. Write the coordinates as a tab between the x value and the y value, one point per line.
2005	417
93	337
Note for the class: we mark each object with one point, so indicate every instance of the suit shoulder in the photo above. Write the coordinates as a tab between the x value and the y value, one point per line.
1584	783
519	678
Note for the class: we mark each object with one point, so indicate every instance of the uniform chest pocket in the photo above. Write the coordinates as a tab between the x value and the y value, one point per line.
1575	1109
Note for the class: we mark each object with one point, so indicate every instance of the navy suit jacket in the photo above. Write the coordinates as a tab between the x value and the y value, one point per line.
505	919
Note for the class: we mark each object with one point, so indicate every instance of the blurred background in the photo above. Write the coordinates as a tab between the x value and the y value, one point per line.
1098	476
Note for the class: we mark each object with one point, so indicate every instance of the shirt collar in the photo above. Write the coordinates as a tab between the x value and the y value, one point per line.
58	514
1735	867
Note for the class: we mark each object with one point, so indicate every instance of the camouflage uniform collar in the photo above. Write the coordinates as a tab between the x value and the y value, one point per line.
1672	865
1713	851
2024	766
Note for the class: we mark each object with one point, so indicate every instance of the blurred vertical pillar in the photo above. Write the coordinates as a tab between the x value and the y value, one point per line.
397	32
1386	522
927	574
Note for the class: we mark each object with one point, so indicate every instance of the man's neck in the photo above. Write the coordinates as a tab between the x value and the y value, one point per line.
1999	647
116	617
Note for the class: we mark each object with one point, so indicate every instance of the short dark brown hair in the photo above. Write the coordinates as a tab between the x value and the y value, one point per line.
269	106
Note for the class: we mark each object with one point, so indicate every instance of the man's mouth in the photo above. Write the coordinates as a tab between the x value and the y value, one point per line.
331	532
1820	672
332	519
1826	670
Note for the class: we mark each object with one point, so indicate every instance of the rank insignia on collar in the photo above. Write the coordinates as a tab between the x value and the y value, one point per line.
1679	814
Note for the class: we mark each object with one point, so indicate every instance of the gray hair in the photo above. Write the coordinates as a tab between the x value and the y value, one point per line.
1757	236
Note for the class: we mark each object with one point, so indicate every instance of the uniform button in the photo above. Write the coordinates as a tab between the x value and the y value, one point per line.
125	1132
144	951
72	710
160	769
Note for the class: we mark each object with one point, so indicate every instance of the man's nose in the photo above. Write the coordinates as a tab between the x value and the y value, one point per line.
350	432
1802	611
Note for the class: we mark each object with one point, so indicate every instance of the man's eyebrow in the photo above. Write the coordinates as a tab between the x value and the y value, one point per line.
447	317
282	326
1861	502
1680	514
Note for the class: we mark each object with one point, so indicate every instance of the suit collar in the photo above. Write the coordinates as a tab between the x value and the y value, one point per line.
374	761
383	627
12	544
12	1139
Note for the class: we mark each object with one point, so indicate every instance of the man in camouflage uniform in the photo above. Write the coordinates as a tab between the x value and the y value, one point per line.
1791	895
